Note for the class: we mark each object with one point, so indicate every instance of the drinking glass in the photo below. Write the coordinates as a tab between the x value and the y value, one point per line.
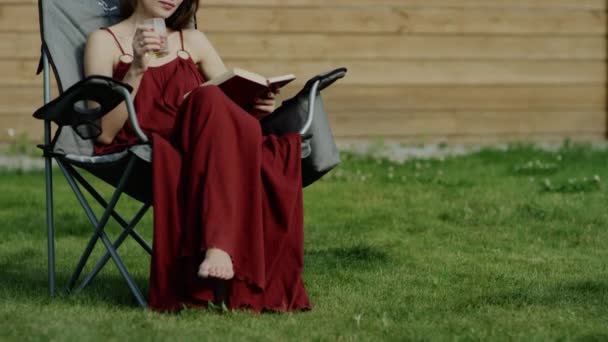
158	24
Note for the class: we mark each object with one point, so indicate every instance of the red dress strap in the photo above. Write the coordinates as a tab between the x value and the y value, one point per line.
117	41
181	39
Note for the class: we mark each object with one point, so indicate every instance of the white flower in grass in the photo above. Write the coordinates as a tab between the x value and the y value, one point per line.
11	132
385	320
596	178
358	319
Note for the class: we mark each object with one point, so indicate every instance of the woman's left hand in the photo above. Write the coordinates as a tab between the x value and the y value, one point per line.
264	105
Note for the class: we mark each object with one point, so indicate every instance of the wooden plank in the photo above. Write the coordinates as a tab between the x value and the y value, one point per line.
403	20
17	123
476	140
427	72
420	72
346	97
19	45
19	70
369	47
515	98
589	4
21	96
19	2
416	126
574	4
442	123
373	47
21	17
377	19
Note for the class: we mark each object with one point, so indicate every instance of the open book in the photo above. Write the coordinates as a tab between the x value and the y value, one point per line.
244	86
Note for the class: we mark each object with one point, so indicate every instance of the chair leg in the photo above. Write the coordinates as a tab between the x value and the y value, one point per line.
99	229
50	223
123	271
92	241
114	214
127	230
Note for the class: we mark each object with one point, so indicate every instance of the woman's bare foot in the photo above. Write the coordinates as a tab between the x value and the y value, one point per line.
217	264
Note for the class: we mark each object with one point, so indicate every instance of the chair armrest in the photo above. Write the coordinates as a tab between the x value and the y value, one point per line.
298	113
126	94
70	108
325	79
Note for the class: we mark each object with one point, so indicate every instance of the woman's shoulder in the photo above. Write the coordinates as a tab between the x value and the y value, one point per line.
102	49
192	33
105	35
195	38
98	42
197	42
99	36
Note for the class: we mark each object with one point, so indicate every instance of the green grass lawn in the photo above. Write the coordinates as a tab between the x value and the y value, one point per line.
498	245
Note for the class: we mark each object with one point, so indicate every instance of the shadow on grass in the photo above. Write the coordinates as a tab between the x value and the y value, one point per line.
20	282
360	257
585	293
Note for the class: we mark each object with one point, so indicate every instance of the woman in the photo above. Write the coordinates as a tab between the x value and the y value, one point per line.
227	200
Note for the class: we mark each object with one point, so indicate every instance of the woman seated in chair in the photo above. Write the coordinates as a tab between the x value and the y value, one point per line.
227	200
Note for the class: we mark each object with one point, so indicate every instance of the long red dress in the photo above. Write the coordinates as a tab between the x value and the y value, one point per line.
217	183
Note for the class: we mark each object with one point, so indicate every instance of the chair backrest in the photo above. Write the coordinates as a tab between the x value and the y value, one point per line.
64	27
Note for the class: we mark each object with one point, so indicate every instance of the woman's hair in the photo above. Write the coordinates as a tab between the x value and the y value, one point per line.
179	20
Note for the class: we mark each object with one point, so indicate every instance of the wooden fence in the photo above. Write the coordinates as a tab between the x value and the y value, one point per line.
420	70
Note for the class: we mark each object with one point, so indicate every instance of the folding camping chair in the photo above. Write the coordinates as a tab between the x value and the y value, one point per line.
64	27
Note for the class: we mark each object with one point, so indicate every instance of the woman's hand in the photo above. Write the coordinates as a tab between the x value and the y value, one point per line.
264	105
145	41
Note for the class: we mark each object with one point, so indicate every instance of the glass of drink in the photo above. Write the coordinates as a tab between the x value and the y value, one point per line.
158	24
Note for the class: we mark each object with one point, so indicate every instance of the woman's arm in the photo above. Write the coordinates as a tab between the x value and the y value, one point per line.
211	65
99	58
203	54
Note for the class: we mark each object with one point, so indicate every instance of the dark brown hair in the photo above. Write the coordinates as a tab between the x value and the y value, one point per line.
179	20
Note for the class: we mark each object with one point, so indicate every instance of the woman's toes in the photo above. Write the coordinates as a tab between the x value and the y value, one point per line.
226	274
203	270
217	264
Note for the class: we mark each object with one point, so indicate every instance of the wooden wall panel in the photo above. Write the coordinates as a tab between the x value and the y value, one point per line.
444	123
551	4
295	47
420	70
403	20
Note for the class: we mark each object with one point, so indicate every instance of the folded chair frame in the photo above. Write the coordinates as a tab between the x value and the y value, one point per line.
75	180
